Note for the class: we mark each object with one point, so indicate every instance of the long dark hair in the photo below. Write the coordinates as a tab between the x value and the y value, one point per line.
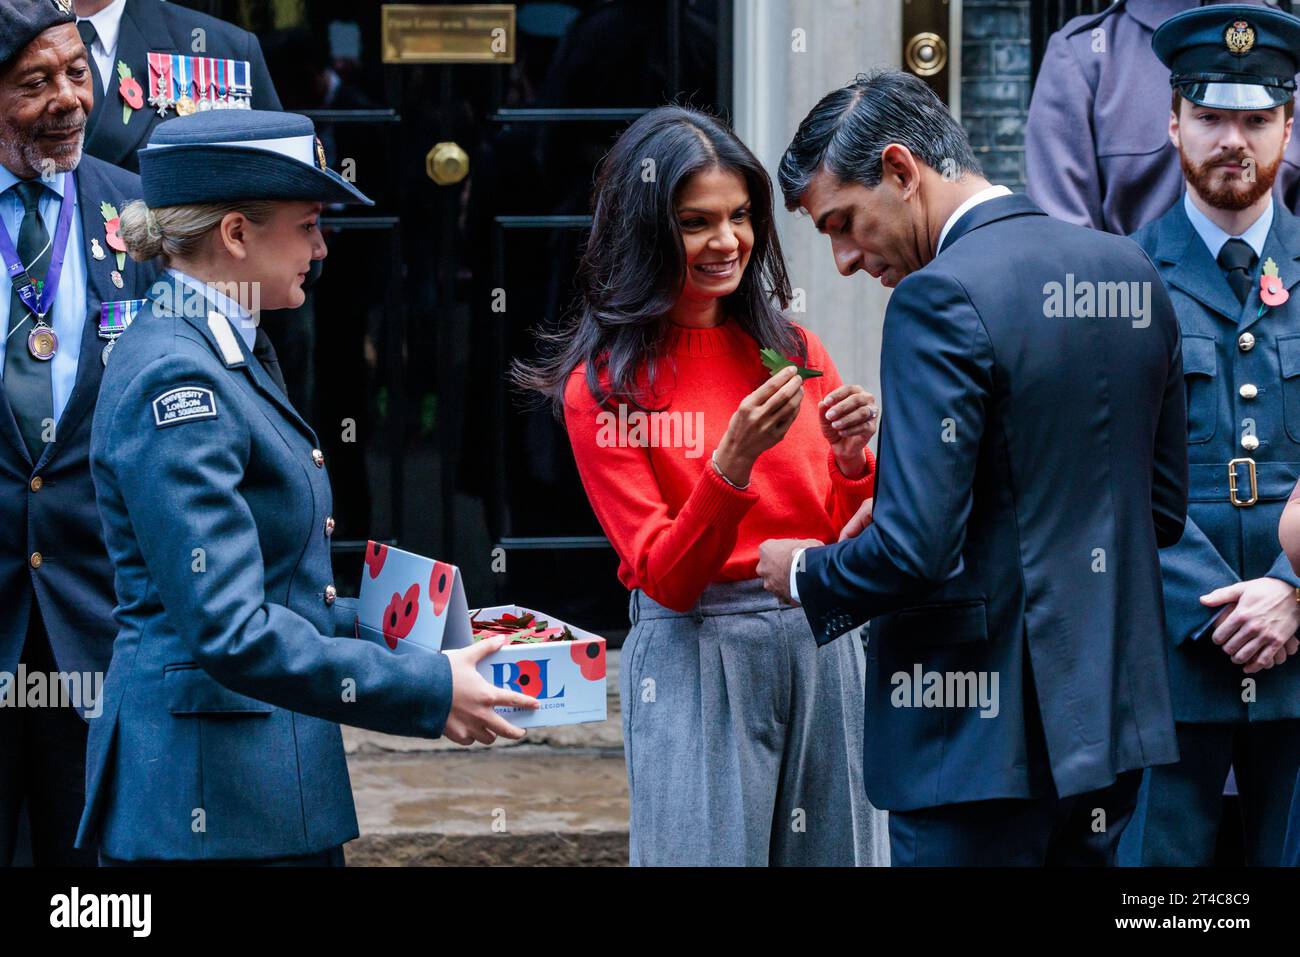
633	267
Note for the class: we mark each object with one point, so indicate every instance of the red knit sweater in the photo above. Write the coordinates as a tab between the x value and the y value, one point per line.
675	524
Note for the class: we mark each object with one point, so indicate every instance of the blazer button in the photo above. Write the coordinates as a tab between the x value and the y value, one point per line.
37	482
330	594
329	526
36	559
1250	442
1245	342
318	456
1248	391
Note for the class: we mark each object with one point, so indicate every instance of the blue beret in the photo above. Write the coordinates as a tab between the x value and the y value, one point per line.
219	156
1231	56
22	21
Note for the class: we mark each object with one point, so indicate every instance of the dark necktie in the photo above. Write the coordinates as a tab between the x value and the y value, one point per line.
27	379
1237	260
265	353
88	37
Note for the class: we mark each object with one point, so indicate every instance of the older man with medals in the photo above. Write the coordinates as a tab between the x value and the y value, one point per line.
154	60
69	288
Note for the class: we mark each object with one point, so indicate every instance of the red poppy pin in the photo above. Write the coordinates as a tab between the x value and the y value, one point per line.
112	225
132	92
1272	291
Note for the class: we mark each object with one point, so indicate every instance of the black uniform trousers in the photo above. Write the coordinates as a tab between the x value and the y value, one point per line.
1180	825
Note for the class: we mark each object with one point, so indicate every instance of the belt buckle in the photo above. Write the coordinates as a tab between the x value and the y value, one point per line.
1232	483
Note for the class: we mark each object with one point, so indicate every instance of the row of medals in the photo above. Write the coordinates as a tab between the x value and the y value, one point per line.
188	106
42	343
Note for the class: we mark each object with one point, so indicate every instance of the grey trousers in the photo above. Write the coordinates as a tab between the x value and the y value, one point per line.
743	738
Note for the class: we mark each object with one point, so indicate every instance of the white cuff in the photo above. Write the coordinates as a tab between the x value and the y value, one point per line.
794	573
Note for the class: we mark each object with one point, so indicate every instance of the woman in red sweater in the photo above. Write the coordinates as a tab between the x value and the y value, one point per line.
743	738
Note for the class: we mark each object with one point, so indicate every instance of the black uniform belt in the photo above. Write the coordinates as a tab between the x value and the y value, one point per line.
1255	481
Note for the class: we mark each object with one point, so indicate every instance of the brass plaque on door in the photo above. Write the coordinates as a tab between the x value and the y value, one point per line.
463	33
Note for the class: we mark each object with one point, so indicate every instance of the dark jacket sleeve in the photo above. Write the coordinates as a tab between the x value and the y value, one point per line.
245	641
936	349
1169	482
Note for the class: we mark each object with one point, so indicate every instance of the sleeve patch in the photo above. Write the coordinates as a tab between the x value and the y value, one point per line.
184	405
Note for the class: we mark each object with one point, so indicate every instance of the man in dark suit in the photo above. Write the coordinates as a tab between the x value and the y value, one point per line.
206	63
55	574
1032	460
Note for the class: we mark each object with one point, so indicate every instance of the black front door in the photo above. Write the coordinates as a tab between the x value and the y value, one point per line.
401	355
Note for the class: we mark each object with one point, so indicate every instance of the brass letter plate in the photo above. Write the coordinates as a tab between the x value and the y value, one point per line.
464	33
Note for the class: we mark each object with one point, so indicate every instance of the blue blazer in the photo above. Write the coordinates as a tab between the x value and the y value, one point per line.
233	666
57	515
1029	468
1225	543
155	26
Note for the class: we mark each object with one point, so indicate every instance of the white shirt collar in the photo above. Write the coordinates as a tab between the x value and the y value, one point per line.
1214	236
108	24
983	196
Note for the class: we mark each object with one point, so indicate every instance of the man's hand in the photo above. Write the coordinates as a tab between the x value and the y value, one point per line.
860	520
1258	626
775	556
472	717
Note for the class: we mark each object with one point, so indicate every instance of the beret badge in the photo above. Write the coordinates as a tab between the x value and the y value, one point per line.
65	6
1240	38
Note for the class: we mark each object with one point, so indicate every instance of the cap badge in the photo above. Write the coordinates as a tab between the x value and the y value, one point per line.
64	6
321	162
1240	38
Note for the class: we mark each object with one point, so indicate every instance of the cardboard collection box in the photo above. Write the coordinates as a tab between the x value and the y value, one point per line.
410	604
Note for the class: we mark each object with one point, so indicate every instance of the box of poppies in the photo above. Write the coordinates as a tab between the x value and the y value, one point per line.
410	604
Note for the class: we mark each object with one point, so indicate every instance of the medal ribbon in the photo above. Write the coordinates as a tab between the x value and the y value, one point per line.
116	317
180	76
160	73
241	85
39	304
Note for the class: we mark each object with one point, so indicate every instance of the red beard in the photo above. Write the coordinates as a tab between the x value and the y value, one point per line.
1235	192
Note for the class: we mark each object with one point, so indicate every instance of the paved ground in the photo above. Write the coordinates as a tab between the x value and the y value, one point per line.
558	797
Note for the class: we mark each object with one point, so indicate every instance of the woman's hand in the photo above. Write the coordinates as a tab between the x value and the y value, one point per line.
761	421
848	419
472	698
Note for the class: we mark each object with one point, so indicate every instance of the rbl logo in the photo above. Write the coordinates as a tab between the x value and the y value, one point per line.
524	677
